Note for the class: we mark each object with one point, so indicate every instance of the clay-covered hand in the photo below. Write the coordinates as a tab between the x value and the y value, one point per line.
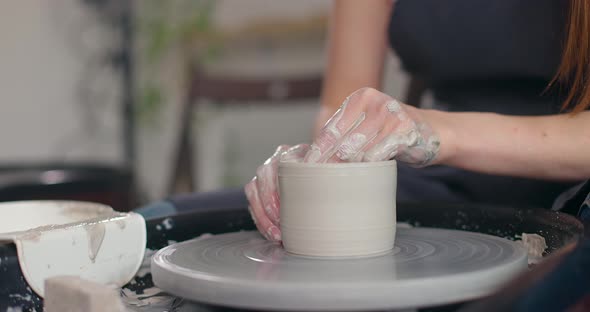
372	126
263	194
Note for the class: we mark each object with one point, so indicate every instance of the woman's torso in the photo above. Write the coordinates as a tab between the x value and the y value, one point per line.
482	55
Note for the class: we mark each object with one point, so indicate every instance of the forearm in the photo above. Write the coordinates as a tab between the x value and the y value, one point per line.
356	51
550	147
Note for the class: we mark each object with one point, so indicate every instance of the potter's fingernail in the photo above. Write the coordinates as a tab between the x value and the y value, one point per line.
273	233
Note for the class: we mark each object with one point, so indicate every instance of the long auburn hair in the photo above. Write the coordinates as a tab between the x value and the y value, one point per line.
574	70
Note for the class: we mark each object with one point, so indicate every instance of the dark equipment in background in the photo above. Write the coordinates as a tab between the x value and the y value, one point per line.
86	182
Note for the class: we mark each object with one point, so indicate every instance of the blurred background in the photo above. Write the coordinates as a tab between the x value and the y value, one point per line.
127	102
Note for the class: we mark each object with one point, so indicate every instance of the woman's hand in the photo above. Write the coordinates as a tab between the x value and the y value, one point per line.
372	126
369	126
263	194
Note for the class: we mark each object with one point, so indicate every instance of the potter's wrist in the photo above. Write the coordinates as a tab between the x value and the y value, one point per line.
442	125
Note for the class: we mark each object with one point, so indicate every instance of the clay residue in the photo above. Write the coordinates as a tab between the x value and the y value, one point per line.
150	300
81	216
168	223
534	244
23	298
96	233
82	211
30	235
34	234
148	296
121	223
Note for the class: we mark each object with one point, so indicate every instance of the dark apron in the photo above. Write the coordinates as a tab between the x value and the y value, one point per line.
480	56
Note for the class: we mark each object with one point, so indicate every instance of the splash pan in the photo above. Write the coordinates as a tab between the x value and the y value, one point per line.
73	238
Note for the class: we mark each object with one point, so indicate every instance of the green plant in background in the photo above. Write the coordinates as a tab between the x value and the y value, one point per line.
181	28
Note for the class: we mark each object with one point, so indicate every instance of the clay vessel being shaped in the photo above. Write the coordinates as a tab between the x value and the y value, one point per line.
338	209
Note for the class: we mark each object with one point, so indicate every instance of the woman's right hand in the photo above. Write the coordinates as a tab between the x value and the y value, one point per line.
372	126
369	126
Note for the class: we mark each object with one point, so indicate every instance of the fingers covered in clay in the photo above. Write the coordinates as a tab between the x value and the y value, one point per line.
263	193
263	223
358	110
266	182
372	126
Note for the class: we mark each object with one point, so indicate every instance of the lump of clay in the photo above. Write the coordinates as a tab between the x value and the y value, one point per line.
535	245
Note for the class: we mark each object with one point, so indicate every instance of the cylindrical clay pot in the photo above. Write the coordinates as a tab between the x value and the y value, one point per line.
338	209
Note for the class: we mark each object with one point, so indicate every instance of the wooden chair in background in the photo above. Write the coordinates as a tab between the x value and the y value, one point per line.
228	91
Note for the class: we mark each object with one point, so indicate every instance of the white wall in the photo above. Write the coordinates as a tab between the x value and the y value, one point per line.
42	116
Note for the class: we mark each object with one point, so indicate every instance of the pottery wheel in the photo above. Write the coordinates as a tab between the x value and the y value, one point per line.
427	267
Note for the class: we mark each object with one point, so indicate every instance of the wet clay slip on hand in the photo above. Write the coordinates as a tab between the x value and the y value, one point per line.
338	209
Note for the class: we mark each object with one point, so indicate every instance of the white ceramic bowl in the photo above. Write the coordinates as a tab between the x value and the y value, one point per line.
84	239
338	209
